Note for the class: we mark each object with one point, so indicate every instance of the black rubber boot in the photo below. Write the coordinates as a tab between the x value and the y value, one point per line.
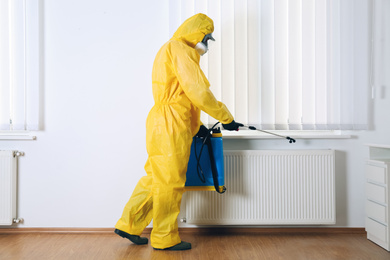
133	238
181	246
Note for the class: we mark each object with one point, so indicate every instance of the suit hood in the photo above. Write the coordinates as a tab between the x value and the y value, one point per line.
194	29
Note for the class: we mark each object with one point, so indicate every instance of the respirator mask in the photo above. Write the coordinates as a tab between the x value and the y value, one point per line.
202	47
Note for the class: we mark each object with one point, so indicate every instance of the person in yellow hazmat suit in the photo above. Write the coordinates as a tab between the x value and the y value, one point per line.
180	92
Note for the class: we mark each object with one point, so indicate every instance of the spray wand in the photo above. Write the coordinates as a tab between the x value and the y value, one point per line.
290	140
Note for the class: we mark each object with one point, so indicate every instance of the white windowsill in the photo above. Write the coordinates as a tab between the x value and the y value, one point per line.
18	136
253	134
242	134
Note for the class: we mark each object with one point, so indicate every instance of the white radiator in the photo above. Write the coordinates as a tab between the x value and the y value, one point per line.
8	171
270	187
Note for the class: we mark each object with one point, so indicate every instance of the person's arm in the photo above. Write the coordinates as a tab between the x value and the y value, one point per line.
195	84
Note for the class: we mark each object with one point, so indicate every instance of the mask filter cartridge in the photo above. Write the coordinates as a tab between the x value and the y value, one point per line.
201	48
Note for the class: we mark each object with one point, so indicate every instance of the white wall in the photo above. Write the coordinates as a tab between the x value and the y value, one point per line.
96	94
98	57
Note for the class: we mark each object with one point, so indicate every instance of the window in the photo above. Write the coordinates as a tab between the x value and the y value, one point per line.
19	65
287	64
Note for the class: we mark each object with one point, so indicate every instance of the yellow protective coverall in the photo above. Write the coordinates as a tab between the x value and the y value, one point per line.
180	91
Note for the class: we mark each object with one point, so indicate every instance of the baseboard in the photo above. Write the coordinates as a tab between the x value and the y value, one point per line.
195	230
276	230
19	230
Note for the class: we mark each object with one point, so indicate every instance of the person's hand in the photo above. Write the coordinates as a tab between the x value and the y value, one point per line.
203	131
233	126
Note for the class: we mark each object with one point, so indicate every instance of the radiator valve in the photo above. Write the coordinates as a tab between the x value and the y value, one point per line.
17	154
18	220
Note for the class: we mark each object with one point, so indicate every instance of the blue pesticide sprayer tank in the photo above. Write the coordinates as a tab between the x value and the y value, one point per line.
206	167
